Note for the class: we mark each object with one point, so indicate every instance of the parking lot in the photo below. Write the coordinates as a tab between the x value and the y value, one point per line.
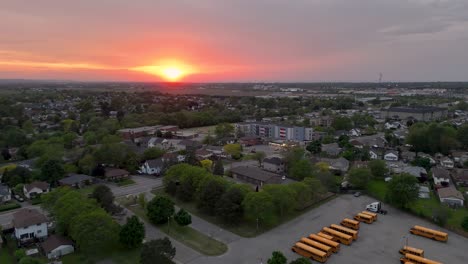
377	243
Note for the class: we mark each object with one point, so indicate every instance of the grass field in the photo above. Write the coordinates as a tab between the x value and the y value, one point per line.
125	182
184	234
118	255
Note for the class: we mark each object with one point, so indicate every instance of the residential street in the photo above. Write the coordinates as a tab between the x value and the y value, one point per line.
143	184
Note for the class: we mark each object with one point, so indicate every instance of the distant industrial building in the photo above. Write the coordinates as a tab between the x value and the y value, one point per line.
420	113
274	131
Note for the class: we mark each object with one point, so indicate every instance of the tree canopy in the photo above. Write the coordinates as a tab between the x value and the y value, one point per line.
402	190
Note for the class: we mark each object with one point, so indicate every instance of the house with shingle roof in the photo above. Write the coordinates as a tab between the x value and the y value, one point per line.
35	188
56	246
29	224
451	196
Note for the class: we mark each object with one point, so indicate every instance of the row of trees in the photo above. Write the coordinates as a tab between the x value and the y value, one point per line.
432	138
233	202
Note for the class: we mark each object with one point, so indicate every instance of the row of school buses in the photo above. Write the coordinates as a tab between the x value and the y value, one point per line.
413	255
322	245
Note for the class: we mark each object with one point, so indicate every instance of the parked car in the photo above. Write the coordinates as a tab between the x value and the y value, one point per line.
19	198
357	194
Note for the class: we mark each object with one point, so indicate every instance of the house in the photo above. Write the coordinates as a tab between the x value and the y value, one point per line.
357	144
420	113
5	193
155	142
153	167
56	246
339	165
173	158
273	164
441	177
190	144
255	175
114	174
217	151
408	156
250	141
35	188
332	149
460	157
447	163
376	153
451	196
77	180
427	156
355	132
203	154
416	171
29	224
391	155
461	177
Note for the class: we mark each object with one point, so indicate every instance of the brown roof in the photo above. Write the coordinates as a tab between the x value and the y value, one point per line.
450	191
112	172
36	184
28	217
54	241
440	173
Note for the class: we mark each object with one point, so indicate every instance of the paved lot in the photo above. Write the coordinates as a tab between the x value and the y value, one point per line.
142	184
377	243
269	150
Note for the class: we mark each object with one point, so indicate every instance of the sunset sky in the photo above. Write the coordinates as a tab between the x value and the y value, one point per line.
234	40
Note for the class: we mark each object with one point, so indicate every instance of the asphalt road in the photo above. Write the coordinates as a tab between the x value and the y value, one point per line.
142	184
377	243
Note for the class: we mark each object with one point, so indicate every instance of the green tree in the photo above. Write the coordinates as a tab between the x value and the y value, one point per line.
422	162
104	197
153	153
158	251
209	192
229	206
462	136
342	123
378	168
464	223
94	231
52	171
207	164
300	261
259	156
67	207
314	147
277	258
183	218
218	168
402	190
259	206
159	209
301	169
234	150
283	197
224	130
303	194
360	177
87	164
30	260
132	233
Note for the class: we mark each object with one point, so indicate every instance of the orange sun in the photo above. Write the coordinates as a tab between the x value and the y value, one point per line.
169	71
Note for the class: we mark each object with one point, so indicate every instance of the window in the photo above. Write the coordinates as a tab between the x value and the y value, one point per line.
39	231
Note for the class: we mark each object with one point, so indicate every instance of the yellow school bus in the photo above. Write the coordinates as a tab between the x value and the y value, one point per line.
326	236
417	260
309	252
333	244
317	245
413	251
374	215
429	233
345	230
350	223
364	218
341	237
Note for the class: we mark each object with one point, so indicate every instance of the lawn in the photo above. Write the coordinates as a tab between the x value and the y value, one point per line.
5	256
184	234
244	229
125	182
118	255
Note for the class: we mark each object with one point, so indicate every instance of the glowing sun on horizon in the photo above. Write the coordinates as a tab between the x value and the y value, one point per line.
171	72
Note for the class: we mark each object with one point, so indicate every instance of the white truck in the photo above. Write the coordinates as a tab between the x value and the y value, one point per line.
376	207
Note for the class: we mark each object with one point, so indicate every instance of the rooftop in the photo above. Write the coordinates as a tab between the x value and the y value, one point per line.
28	217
